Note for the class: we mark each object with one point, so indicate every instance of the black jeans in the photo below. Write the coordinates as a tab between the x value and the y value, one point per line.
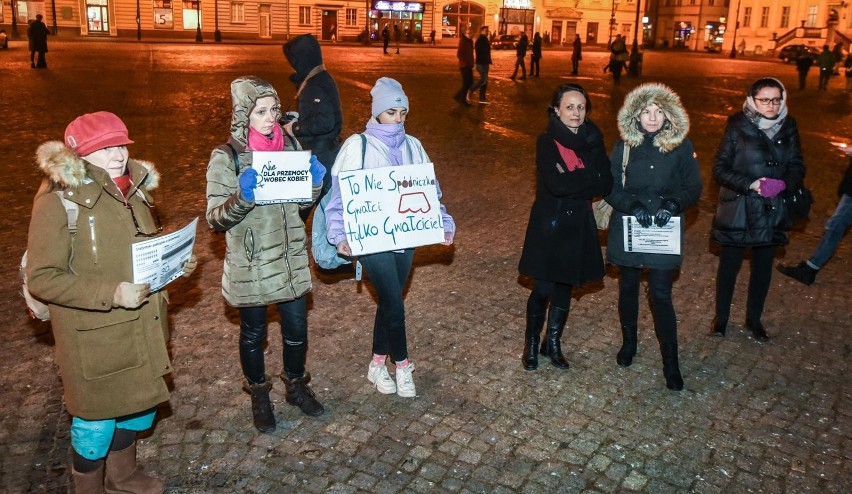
519	62
467	82
730	261
294	331
660	292
558	294
388	273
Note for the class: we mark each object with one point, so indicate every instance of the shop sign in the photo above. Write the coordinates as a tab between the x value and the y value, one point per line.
398	6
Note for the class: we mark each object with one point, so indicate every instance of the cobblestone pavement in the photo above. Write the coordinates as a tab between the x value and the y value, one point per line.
752	418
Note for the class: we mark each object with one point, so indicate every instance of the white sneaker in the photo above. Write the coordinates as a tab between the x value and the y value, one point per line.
378	375
405	384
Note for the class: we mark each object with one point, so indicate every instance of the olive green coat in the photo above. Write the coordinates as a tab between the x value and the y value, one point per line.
266	257
112	360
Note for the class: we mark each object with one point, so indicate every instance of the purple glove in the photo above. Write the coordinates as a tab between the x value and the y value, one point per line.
771	187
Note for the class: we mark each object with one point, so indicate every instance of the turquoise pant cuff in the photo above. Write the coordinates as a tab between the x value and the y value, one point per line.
91	439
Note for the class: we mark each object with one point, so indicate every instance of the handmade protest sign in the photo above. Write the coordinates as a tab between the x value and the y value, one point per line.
391	208
282	176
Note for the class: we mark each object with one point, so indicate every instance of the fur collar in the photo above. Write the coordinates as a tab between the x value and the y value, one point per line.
677	121
67	170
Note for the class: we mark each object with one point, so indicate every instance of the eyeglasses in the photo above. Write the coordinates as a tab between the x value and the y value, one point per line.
154	214
768	101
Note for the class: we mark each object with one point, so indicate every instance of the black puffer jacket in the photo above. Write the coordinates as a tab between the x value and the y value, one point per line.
561	242
744	217
320	115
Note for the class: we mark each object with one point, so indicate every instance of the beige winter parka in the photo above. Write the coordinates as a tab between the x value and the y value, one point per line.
112	360
266	260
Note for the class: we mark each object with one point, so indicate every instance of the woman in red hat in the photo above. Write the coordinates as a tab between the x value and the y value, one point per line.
110	333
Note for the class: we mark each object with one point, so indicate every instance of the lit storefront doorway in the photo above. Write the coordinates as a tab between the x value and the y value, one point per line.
329	24
407	15
264	17
682	33
97	16
517	16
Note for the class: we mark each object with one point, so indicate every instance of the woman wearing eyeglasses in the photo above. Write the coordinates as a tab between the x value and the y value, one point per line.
266	262
758	159
110	333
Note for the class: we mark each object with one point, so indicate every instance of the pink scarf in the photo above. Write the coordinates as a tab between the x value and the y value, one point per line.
259	142
572	161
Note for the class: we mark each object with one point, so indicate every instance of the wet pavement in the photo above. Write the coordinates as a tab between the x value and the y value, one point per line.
752	418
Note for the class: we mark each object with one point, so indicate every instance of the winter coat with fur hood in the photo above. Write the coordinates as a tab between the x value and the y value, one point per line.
744	217
660	166
112	360
266	259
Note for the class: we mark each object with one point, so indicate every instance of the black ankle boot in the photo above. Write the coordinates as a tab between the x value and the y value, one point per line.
551	346
628	346
719	326
302	396
757	331
671	368
531	340
801	272
261	407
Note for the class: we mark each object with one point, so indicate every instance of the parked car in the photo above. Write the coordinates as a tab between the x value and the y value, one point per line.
791	53
507	41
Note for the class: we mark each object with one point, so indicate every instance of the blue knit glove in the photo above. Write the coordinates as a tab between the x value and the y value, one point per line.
248	182
317	171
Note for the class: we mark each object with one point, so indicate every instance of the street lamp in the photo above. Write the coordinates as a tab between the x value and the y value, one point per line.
138	22
198	38
14	7
612	23
736	25
217	35
53	11
635	58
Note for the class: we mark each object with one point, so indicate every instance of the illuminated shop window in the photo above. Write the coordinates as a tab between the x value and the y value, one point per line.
191	14
163	14
97	16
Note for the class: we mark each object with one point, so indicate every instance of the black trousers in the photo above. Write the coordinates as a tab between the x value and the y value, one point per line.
660	283
760	278
558	294
294	330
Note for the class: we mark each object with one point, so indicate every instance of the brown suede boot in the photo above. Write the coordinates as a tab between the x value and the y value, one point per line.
123	476
89	482
261	407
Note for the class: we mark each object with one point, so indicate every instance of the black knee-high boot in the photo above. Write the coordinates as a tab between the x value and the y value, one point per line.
628	346
531	340
551	346
671	367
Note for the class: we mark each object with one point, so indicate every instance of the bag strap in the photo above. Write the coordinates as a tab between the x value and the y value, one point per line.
625	157
71	210
234	157
363	149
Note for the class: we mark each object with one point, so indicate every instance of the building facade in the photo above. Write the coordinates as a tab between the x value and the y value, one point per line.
763	25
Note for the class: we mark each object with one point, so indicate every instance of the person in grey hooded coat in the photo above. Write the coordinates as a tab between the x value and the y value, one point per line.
660	180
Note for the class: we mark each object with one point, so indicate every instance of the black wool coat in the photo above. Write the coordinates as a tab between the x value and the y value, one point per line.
561	243
743	217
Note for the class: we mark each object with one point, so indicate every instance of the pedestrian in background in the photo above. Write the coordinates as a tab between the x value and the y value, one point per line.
110	333
37	33
803	65
320	119
385	39
266	261
658	181
758	159
397	36
847	65
4	40
836	226
482	49
384	143
561	248
432	36
521	54
576	55
617	56
535	56
825	61
464	53
837	51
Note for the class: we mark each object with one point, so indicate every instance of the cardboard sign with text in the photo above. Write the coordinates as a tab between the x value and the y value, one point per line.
391	208
282	176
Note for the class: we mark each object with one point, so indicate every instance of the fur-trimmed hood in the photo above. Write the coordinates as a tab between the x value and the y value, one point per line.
67	170
673	131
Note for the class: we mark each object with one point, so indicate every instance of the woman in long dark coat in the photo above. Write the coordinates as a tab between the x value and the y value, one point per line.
561	248
662	180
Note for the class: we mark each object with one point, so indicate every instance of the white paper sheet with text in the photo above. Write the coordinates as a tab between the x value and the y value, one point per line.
158	261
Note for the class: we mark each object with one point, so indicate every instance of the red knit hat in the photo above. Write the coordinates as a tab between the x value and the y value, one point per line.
94	131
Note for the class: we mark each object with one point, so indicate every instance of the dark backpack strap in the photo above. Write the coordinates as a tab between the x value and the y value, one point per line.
363	149
235	157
